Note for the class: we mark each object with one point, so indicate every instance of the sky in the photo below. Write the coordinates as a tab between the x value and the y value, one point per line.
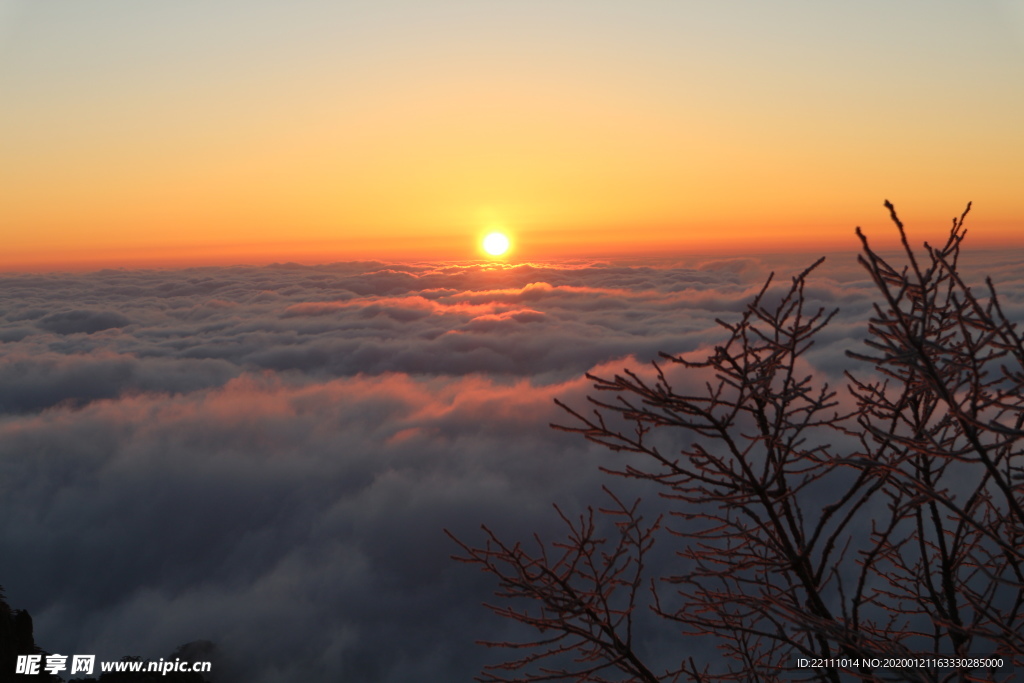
197	132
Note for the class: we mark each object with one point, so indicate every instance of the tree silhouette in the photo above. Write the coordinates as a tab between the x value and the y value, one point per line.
16	638
883	521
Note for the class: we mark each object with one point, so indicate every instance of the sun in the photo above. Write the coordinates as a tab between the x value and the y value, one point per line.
496	244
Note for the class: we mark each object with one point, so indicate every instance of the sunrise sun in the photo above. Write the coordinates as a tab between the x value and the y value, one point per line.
496	244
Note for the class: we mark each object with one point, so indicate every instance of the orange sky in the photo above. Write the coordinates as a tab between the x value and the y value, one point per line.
230	132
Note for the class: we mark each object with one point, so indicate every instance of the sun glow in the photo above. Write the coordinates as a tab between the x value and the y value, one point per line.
496	244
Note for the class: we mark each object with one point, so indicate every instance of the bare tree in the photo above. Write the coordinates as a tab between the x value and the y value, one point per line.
891	529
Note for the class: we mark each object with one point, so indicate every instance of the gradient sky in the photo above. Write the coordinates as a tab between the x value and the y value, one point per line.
139	132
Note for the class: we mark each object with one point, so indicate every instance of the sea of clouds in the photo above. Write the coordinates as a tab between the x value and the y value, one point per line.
267	457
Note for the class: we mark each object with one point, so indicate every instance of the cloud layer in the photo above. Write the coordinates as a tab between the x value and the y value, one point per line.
267	457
